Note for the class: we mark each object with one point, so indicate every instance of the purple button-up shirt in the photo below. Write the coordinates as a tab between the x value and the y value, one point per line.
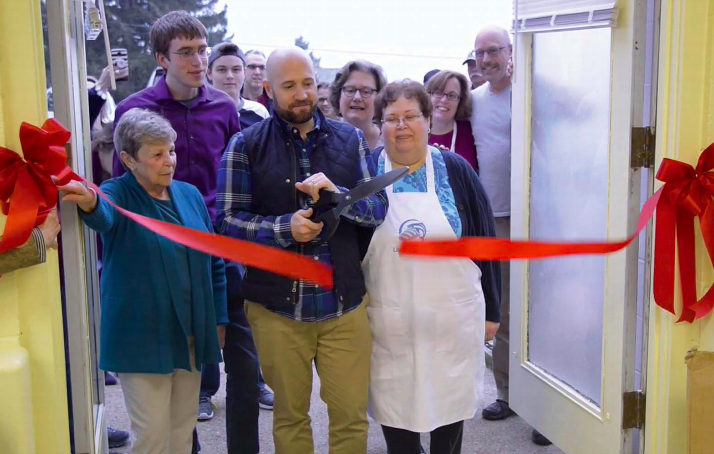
203	132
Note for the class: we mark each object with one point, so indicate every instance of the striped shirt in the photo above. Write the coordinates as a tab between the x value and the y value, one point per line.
234	200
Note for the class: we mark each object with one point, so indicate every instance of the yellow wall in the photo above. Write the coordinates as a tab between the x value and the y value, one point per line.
33	392
685	126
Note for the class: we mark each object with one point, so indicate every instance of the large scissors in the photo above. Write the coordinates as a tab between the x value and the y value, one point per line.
331	205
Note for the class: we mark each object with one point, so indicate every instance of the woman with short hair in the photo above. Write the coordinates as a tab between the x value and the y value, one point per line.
352	95
450	121
161	302
429	317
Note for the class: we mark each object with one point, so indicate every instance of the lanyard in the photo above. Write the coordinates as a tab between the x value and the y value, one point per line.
453	139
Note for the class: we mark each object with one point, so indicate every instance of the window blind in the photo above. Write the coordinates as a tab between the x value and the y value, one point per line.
549	15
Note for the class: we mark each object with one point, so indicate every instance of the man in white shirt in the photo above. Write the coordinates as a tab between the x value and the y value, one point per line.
491	125
226	72
255	74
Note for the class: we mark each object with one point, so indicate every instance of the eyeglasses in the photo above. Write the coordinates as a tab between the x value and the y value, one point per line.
410	119
492	52
187	54
451	96
254	67
365	92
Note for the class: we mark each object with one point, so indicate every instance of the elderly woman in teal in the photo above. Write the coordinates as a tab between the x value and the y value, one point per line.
162	303
429	317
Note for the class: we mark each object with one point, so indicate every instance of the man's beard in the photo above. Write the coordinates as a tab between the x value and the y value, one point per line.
293	118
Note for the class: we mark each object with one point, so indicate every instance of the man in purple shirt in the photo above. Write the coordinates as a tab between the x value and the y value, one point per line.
204	119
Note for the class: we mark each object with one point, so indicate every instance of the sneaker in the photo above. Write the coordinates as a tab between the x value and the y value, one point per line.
117	438
497	411
266	399
539	439
205	408
109	379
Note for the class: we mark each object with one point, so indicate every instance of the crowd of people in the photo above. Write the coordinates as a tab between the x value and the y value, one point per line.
239	144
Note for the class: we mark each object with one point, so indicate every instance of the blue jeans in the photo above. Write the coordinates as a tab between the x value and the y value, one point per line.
211	380
242	375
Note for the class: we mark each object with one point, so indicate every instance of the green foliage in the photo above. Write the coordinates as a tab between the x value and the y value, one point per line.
129	23
302	44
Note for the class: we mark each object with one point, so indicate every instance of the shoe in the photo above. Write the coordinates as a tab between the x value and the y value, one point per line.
205	408
497	411
117	438
539	439
109	379
266	399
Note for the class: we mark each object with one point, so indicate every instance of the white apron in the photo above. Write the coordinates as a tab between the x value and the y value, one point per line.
427	320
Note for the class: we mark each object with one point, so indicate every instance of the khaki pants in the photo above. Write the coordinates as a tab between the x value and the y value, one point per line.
341	349
162	409
501	345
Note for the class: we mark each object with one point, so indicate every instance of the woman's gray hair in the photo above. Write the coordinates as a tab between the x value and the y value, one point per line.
138	127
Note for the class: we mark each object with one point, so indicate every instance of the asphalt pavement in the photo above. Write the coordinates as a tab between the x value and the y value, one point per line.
480	436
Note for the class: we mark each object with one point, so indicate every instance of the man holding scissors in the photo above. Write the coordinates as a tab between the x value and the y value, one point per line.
270	177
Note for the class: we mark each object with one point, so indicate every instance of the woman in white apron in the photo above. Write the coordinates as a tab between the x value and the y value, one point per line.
429	317
450	121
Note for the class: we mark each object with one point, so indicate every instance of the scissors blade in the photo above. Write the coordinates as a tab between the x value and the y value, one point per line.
370	188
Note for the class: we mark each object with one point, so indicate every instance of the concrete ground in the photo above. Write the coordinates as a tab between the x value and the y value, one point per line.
480	436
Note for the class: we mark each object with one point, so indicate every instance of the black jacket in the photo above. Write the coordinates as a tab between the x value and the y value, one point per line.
274	170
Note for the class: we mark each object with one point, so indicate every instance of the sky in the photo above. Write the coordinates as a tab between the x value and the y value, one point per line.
406	38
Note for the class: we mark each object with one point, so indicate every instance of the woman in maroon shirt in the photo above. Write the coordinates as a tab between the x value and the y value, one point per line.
450	125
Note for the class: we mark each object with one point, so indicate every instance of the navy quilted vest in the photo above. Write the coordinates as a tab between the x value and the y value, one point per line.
274	170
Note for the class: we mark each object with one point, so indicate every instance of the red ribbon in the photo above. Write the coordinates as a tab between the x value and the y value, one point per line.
687	193
32	194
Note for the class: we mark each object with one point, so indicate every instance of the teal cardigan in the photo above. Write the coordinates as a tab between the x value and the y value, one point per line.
141	331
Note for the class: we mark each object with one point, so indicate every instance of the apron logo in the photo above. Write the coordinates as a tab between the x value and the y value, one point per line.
412	229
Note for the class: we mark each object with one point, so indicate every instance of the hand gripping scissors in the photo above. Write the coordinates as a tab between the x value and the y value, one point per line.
331	205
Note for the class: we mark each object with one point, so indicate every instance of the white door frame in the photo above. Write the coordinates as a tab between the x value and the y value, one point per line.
548	404
65	20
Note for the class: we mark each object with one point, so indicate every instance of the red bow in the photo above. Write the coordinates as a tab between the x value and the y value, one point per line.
27	194
687	194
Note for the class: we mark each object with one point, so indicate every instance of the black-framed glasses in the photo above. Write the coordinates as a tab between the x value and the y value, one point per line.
408	119
187	54
254	67
492	52
451	96
364	92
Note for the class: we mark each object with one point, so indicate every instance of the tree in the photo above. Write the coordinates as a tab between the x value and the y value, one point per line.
129	23
302	44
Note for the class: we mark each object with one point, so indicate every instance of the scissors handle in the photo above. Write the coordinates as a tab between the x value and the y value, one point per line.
328	200
324	210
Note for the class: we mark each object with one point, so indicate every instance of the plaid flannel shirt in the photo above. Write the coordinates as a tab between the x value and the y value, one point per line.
234	199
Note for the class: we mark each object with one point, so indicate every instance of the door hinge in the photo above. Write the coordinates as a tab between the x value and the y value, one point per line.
633	410
642	150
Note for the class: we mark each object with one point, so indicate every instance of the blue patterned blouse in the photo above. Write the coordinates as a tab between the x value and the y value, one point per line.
416	182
